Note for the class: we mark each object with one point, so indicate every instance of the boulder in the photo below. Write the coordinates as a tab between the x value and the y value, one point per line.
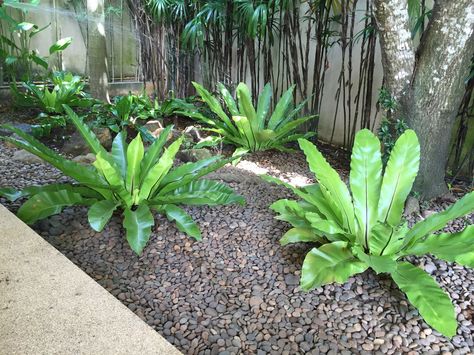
77	146
193	155
194	133
85	159
26	157
412	206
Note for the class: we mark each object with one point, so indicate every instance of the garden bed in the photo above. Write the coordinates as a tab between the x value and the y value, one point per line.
237	290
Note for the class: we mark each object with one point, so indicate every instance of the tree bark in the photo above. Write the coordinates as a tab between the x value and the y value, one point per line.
97	50
427	84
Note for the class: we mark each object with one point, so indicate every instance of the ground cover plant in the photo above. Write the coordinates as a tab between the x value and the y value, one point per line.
249	128
365	230
127	178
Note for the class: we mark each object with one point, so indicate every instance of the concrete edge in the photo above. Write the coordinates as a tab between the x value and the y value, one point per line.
50	306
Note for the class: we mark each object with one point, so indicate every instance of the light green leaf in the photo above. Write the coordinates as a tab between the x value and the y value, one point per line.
215	106
290	211
324	225
135	154
154	151
425	294
300	235
245	104
332	262
186	173
400	173
228	99
112	174
137	224
24	26
263	106
100	213
379	263
365	182
82	174
89	136
453	247
334	189
48	203
60	45
246	131
119	152
184	222
386	240
281	109
200	192
152	180
438	220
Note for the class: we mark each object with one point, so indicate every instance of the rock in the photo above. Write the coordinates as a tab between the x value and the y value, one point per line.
449	197
26	157
193	155
21	126
412	206
154	126
85	159
430	267
427	213
255	301
194	133
105	137
77	146
292	280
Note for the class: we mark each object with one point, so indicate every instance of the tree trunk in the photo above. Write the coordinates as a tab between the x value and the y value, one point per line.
428	84
97	51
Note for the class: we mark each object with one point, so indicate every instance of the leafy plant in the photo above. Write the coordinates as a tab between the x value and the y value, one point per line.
18	55
365	230
62	88
249	128
127	178
127	112
389	131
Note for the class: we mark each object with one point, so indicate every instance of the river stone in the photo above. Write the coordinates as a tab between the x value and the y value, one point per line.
26	157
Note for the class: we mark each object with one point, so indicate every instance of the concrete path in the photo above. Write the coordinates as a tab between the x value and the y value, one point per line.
50	306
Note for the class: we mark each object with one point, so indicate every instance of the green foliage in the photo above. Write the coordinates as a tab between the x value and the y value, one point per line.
389	131
61	88
127	178
127	112
250	128
16	53
365	229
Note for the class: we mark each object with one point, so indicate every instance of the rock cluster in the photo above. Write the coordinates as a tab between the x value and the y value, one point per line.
236	291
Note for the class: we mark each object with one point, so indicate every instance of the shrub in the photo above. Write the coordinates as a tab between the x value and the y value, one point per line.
127	178
366	230
127	112
62	88
249	128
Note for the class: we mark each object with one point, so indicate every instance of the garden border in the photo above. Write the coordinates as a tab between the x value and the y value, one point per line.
48	305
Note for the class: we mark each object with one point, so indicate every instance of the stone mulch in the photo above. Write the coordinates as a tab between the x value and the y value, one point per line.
236	292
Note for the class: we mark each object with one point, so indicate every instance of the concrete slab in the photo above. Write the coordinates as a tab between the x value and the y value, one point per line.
50	306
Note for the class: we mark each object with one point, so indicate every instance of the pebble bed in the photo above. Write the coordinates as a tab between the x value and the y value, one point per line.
236	291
